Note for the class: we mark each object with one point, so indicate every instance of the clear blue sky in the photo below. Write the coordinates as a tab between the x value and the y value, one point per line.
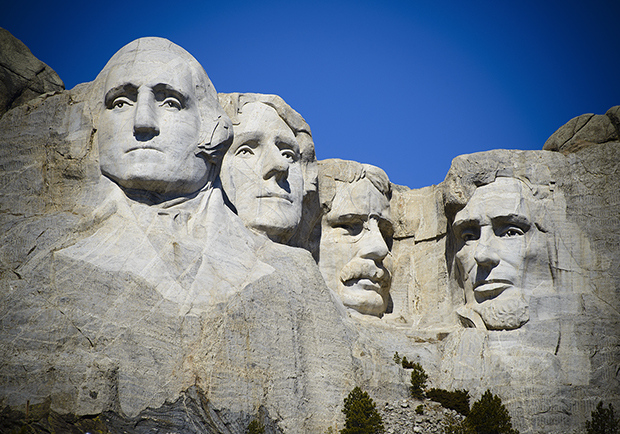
404	85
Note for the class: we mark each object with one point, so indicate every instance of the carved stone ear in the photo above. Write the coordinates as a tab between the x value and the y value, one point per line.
222	134
219	141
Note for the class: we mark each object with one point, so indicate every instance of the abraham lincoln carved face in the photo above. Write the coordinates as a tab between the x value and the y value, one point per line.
499	248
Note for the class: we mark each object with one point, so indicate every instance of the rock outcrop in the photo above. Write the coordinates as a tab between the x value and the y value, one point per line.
586	130
22	76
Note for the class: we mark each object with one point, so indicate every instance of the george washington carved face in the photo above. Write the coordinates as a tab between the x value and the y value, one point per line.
160	124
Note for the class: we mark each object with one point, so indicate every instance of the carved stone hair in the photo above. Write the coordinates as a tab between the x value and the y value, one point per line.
334	170
469	172
233	105
216	132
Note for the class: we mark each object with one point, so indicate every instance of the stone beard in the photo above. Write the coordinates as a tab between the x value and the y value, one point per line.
501	252
356	238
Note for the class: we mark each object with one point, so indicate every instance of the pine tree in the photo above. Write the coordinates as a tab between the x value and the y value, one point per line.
418	381
603	421
490	416
397	358
255	427
361	415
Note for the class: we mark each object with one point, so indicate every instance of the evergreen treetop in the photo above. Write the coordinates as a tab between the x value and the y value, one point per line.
490	416
361	415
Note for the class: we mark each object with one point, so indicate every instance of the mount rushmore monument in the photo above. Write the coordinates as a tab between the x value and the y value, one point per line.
177	260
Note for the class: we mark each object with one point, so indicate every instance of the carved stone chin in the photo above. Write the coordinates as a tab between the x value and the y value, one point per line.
504	313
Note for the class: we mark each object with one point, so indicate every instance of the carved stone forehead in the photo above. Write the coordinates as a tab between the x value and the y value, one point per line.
259	118
149	57
156	50
502	197
360	198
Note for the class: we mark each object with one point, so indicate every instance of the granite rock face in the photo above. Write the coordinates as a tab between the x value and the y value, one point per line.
114	303
586	130
22	76
138	300
552	368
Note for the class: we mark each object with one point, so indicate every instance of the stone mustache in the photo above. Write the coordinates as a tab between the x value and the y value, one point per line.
177	251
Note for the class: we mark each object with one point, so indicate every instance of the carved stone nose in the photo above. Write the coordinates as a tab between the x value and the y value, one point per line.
373	244
145	124
485	253
274	164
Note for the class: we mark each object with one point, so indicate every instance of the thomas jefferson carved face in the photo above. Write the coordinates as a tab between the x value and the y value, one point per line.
499	247
150	125
261	173
356	236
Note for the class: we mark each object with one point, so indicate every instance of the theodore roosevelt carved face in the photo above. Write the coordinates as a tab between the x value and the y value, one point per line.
498	246
262	172
157	123
356	234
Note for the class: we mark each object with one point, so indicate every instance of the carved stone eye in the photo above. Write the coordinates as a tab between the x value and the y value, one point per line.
351	228
120	102
511	231
171	102
289	155
244	151
468	235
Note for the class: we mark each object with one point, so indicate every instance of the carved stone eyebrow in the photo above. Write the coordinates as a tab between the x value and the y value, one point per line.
129	90
512	219
284	142
254	136
465	223
352	217
346	218
164	90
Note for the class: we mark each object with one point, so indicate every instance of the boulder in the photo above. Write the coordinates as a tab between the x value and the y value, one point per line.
22	76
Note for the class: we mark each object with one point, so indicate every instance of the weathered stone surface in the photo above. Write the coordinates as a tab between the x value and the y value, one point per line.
356	234
552	369
22	76
420	288
134	299
585	130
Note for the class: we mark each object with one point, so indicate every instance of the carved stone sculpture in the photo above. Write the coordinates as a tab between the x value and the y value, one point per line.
500	245
356	234
531	283
161	130
133	298
161	135
143	287
270	167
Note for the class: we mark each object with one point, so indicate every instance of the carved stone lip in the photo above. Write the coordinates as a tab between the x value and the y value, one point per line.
494	286
150	147
367	283
275	196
